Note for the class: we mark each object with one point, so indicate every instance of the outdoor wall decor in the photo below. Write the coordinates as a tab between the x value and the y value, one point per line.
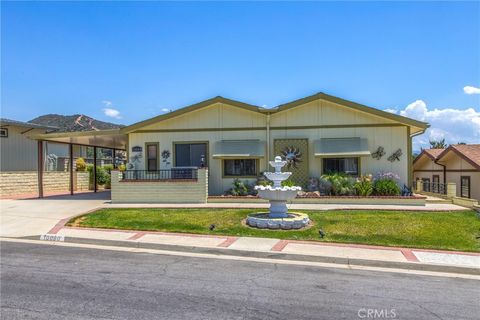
136	149
395	156
292	156
165	155
134	160
379	153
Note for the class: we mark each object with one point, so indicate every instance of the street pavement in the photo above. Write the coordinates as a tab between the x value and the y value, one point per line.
57	282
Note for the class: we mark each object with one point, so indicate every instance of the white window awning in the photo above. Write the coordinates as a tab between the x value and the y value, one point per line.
239	149
341	147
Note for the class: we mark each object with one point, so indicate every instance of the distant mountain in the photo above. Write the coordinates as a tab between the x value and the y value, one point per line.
76	122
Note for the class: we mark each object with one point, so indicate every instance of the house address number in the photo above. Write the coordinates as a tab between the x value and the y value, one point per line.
52	237
137	149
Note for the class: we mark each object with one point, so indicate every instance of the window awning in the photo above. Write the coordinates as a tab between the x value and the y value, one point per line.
341	147
239	149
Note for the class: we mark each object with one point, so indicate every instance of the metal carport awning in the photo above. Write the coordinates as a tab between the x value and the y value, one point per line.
237	149
341	147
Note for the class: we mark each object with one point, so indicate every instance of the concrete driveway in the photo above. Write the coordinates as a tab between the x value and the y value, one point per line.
19	218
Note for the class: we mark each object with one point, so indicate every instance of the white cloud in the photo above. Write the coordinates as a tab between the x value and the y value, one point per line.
391	110
166	110
109	111
471	90
455	125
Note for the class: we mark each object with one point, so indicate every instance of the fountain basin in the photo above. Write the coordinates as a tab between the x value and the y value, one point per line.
263	220
278	194
277	176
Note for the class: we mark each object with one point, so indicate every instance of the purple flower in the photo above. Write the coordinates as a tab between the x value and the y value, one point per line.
386	175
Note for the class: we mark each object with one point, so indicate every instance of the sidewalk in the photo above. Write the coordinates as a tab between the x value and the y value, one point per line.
334	252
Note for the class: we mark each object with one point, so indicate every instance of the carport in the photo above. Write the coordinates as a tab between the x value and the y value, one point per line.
106	139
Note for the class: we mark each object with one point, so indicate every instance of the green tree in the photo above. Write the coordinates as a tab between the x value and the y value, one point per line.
438	144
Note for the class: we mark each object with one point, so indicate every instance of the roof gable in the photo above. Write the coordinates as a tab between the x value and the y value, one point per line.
468	152
191	108
432	154
353	105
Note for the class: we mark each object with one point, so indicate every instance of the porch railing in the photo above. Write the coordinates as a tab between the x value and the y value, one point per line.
434	187
159	175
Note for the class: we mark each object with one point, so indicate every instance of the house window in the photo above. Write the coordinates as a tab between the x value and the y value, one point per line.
190	154
240	168
4	132
152	156
341	165
465	186
436	183
426	184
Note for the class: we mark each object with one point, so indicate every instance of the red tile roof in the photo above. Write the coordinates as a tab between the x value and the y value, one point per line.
433	153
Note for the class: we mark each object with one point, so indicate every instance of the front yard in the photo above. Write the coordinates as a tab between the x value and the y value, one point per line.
434	230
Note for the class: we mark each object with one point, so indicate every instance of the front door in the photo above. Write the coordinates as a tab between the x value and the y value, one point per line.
465	187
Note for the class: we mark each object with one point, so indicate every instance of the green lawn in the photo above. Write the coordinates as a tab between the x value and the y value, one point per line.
439	230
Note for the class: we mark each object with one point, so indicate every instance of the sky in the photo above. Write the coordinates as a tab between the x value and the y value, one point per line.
124	62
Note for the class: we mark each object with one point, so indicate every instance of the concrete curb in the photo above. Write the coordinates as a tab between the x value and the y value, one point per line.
274	255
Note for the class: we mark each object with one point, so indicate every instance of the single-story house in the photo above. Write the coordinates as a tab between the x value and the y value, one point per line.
459	163
236	140
317	134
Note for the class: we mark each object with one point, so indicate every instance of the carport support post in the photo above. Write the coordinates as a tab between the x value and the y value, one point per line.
70	149
40	168
94	169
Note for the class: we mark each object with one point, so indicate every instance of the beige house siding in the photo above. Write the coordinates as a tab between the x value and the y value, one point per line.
425	168
314	120
17	151
324	113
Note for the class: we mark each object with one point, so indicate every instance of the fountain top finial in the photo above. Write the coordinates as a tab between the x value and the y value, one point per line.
278	164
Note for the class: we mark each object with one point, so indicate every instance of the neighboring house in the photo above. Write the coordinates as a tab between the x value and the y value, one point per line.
236	139
459	163
17	151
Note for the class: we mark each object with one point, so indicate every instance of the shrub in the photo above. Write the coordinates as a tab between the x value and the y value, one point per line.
364	186
80	164
239	188
386	184
342	185
386	187
122	167
102	175
288	183
324	186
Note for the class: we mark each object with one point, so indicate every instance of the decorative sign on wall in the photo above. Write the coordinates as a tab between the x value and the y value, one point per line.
395	156
379	153
136	149
165	155
292	155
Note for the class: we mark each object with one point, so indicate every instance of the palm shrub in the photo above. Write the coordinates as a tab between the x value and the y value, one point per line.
342	185
364	186
386	184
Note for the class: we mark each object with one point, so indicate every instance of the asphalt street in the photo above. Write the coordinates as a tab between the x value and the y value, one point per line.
55	282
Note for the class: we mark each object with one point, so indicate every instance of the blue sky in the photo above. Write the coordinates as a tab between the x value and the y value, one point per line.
125	62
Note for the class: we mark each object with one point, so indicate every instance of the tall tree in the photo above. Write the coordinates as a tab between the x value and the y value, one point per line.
438	144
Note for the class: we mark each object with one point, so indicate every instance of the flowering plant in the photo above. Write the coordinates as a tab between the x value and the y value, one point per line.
386	175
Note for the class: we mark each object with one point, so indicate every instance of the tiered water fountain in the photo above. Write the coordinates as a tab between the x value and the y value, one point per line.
278	217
